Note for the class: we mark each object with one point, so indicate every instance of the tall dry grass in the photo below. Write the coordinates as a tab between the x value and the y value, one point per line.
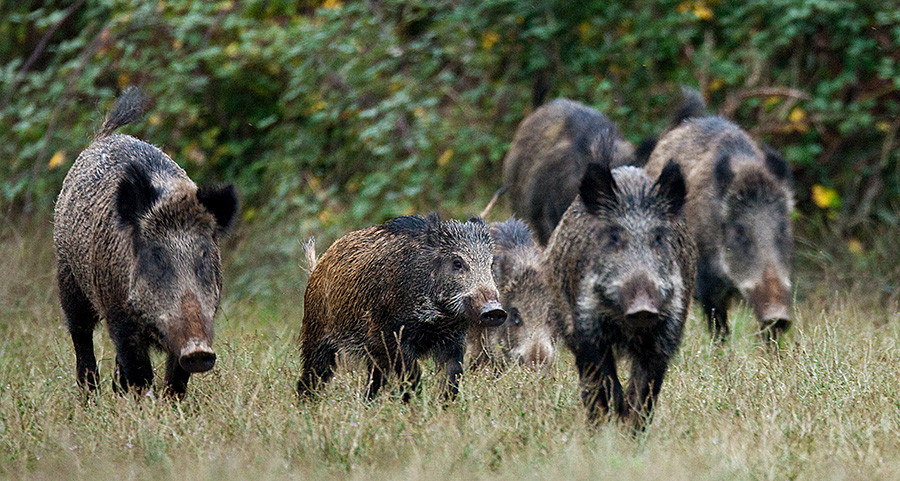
825	406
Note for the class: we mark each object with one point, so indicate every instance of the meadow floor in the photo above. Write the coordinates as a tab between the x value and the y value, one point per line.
825	406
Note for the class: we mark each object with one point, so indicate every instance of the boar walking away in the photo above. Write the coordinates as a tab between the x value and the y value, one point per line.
548	157
137	245
526	336
621	268
738	208
396	292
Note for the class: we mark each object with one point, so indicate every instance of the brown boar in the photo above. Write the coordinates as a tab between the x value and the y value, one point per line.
548	157
396	292
738	208
137	244
621	266
526	337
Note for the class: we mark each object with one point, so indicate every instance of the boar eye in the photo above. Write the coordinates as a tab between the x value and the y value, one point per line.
659	238
614	239
458	264
740	234
514	316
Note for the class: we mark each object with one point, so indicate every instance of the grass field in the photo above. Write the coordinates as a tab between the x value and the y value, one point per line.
825	406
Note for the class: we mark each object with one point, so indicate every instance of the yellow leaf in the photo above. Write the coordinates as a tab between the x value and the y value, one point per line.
332	4
883	126
702	12
855	246
123	80
716	84
684	7
58	158
154	119
177	44
444	159
489	38
232	49
771	101
797	115
584	30
318	106
825	197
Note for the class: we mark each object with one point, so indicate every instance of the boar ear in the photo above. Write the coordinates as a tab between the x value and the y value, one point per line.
671	187
722	173
776	164
476	220
597	188
135	194
221	202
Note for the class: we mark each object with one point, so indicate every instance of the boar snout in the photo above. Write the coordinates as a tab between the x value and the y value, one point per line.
492	314
771	301
539	354
640	301
197	356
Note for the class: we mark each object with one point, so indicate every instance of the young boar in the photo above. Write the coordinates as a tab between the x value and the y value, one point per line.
396	292
621	268
548	156
137	245
527	335
738	211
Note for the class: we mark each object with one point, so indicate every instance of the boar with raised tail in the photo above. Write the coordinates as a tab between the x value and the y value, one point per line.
738	211
621	267
527	336
137	244
548	156
394	293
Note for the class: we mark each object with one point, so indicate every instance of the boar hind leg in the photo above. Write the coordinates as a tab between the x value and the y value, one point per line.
318	367
176	377
81	320
601	389
712	292
643	390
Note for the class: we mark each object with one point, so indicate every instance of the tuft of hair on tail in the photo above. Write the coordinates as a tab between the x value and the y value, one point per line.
692	105
128	108
309	252
490	206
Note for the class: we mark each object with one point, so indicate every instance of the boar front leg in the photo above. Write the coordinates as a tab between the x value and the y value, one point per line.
451	357
176	377
712	292
643	389
601	389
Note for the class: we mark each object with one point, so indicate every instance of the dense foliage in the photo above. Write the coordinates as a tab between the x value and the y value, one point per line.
351	112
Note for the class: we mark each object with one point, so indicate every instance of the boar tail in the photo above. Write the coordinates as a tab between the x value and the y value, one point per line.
309	251
128	108
692	105
488	208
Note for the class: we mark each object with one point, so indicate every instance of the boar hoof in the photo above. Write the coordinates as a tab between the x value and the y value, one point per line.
493	314
197	356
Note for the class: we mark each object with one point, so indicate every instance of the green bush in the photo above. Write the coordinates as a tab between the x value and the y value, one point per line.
350	112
